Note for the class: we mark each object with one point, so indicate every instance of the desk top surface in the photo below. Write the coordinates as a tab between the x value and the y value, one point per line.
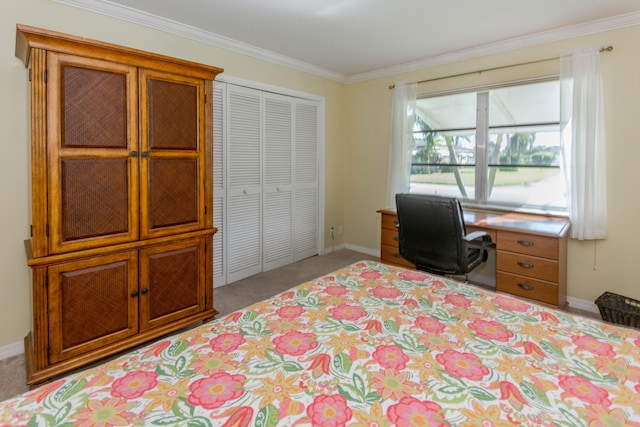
512	221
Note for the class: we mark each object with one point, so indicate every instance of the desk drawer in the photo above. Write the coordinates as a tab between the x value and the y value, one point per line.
527	287
525	265
390	255
389	222
529	244
389	237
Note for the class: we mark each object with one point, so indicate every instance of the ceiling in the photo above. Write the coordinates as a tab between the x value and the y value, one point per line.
351	40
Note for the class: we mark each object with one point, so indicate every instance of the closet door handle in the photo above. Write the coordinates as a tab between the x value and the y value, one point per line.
145	154
134	154
144	291
134	294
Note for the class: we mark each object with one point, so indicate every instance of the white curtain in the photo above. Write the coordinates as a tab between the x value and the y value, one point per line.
403	108
583	140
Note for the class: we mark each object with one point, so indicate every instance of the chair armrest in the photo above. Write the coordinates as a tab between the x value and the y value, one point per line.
476	235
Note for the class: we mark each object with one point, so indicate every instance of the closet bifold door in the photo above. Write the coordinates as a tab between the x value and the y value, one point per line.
219	184
172	154
306	196
244	184
92	120
277	190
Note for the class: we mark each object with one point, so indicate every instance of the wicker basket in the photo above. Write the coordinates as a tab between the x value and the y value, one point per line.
619	309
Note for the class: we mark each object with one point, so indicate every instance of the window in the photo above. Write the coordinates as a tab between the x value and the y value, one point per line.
497	147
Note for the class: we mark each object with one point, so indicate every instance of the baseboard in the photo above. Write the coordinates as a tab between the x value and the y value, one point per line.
362	249
11	350
584	305
330	249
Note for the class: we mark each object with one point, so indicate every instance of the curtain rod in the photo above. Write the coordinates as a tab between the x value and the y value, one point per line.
603	49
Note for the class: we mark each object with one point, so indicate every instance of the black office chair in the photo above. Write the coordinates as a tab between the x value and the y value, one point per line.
432	235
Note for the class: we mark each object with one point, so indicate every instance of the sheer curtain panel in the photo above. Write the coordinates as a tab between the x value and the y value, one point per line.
583	139
403	110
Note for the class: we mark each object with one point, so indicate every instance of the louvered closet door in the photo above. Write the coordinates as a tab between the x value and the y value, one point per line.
277	214
219	190
93	180
305	224
244	198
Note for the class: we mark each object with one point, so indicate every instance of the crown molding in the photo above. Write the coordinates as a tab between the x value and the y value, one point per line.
598	26
108	8
125	13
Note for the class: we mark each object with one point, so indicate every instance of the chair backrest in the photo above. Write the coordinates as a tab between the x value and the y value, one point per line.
431	231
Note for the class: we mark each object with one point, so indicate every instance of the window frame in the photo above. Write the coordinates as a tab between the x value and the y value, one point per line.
482	138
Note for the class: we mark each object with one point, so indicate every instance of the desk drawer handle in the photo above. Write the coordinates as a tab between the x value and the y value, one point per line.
525	287
525	264
525	243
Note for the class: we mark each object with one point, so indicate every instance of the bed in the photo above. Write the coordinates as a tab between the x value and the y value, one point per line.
368	345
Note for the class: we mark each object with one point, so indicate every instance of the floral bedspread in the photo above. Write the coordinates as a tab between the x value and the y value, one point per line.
369	345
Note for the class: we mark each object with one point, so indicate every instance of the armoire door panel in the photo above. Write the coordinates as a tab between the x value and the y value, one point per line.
81	292
172	281
94	198
172	154
93	178
90	93
173	115
173	193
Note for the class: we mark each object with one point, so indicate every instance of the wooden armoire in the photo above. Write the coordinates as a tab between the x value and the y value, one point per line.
122	202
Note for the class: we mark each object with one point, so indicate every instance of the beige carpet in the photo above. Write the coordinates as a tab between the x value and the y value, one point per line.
226	300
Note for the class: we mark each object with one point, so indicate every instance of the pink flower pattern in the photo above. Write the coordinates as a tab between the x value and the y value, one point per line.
335	290
584	390
593	345
411	412
290	311
430	325
217	389
295	343
347	312
491	330
391	356
462	365
328	411
227	343
385	292
134	384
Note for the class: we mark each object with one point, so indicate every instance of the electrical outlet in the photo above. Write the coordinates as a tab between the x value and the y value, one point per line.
340	230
